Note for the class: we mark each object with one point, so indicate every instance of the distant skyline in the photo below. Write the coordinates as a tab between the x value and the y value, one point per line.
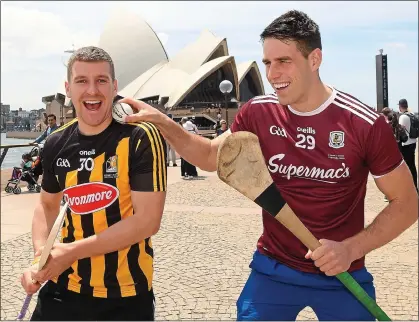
36	34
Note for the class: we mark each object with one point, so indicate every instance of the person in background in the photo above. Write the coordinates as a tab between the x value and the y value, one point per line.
410	123
52	126
398	131
171	153
27	162
222	129
387	114
188	170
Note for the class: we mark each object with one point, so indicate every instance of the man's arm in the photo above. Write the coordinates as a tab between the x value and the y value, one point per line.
46	211
148	210
41	137
393	178
383	158
399	215
197	150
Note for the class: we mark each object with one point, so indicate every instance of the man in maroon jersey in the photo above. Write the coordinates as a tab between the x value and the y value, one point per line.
320	144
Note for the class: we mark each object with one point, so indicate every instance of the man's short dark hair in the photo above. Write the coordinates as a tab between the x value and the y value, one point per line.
90	54
403	103
53	116
296	26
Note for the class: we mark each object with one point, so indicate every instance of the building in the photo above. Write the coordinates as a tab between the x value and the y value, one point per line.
23	113
5	108
5	115
185	84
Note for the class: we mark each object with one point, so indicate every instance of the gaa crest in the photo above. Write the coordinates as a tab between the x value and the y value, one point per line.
336	139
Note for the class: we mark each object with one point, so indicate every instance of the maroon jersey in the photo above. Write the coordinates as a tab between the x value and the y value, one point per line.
320	161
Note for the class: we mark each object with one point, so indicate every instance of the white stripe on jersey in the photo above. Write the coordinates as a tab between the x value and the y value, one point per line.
265	101
356	107
362	105
266	96
353	111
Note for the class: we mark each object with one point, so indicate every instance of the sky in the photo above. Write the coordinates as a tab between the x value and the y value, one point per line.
34	36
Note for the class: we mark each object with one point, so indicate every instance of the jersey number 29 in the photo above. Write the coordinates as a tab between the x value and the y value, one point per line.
311	142
86	163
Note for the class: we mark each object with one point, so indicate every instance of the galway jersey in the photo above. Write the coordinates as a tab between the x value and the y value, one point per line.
97	174
320	161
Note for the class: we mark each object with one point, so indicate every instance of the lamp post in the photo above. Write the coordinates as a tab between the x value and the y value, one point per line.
226	87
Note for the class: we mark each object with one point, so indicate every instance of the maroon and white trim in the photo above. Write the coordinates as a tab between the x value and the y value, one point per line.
356	107
270	98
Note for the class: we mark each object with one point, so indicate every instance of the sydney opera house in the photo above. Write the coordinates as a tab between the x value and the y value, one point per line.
183	85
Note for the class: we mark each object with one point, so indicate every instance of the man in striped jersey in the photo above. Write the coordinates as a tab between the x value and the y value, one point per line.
320	144
114	178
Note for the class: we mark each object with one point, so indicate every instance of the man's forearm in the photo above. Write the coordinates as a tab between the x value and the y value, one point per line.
388	225
191	147
119	236
42	222
41	137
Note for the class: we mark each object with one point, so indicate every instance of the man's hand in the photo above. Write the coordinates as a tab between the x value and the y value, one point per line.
27	282
61	257
145	112
331	257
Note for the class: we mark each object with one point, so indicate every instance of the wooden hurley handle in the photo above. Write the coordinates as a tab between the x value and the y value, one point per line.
288	218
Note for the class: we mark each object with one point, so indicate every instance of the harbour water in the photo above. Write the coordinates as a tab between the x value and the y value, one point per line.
14	155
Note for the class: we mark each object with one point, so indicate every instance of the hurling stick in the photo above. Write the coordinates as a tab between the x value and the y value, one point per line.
45	254
241	165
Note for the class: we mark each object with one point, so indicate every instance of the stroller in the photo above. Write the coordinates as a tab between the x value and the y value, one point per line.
30	170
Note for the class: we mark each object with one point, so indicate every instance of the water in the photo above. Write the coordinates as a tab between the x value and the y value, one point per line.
14	155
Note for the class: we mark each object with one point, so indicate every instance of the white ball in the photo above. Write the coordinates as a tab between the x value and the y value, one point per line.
120	110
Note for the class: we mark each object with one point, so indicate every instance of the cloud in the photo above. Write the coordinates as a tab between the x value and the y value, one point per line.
398	45
31	34
231	14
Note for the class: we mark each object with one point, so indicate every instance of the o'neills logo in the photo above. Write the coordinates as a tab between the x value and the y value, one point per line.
90	197
305	172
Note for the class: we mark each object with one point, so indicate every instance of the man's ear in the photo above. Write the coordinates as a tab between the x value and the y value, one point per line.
115	87
315	58
67	89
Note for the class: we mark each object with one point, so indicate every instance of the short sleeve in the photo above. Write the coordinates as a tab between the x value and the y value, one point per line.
404	120
148	169
242	120
49	180
382	151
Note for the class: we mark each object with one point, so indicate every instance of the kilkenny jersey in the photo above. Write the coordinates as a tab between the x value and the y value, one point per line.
97	174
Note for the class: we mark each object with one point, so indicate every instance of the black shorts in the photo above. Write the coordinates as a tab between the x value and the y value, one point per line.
58	304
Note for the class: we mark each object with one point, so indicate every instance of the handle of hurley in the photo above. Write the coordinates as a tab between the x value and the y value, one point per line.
287	218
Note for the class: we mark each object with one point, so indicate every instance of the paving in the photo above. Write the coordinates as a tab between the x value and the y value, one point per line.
202	253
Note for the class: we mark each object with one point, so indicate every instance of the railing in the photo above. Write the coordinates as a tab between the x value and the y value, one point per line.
7	147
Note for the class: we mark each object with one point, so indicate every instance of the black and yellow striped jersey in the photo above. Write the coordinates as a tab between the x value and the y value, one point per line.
97	174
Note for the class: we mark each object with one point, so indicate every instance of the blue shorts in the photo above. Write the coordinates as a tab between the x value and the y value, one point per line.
277	292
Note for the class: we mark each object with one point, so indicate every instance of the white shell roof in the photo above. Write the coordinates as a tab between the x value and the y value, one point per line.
132	44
